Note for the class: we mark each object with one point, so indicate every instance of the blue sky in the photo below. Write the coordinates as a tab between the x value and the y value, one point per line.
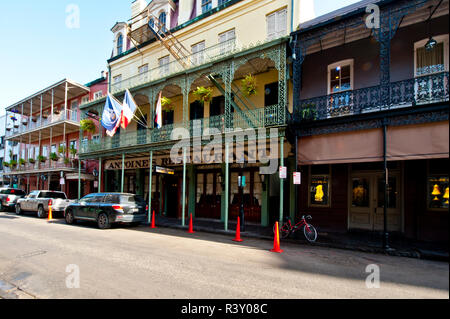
38	49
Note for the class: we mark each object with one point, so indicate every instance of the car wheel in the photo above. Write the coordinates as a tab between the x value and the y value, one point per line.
18	210
41	212
69	218
103	221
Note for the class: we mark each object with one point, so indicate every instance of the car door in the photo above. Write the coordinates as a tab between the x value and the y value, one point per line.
82	207
27	202
94	206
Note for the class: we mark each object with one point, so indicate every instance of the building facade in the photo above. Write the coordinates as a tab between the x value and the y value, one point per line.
220	66
43	139
371	118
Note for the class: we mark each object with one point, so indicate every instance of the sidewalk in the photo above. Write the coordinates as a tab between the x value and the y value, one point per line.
359	241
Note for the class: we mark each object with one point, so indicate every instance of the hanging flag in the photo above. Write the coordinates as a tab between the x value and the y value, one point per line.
158	116
129	108
112	115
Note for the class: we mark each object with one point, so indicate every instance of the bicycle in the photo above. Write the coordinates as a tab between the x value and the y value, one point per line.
288	228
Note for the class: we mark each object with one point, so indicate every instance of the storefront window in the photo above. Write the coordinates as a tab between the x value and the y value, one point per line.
438	192
360	192
320	190
199	187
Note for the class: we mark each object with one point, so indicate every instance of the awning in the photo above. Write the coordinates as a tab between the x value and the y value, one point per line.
407	142
348	147
423	141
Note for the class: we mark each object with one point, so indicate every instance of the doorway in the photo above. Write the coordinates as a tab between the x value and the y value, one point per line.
171	194
367	198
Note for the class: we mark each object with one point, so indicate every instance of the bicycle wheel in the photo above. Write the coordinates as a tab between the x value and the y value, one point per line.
284	231
310	233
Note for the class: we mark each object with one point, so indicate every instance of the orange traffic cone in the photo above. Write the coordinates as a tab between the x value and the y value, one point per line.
238	231
50	217
191	226
153	226
276	241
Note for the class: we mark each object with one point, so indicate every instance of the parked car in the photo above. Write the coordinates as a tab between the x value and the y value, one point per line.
39	201
9	197
108	208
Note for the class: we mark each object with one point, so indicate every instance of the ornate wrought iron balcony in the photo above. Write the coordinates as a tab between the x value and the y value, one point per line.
265	117
421	90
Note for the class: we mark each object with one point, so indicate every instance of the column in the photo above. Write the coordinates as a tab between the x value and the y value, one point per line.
281	180
265	202
183	201
150	188
227	183
192	188
100	175
122	181
79	179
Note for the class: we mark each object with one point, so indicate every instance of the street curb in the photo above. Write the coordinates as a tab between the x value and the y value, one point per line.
413	253
10	291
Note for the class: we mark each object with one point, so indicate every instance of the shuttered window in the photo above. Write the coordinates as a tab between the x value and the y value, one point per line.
277	24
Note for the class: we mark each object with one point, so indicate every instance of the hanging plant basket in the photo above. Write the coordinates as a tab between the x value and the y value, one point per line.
56	111
248	85
54	157
16	125
8	128
24	122
34	118
42	159
88	126
203	94
167	104
22	162
31	160
13	164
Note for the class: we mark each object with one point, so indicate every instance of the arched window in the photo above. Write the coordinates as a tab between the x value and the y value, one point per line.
162	20
151	23
119	44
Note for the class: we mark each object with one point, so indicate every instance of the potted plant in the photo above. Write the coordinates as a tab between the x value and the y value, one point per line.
248	85
24	121
54	157
42	159
203	94
61	149
22	162
31	161
66	161
308	112
13	163
166	103
16	125
8	128
34	119
73	151
88	126
56	111
6	164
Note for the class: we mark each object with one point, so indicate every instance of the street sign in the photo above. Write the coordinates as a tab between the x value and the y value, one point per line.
62	181
283	172
297	178
164	170
95	184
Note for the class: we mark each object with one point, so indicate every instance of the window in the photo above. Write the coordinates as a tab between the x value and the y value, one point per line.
162	20
438	191
119	44
222	2
118	81
44	151
85	100
164	66
96	139
276	24
227	41
143	69
340	85
98	95
198	53
151	23
431	61
319	186
53	148
74	111
206	5
73	145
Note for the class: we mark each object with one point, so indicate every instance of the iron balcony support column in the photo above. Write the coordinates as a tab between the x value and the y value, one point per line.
281	180
386	189
183	202
122	180
150	188
79	179
227	183
100	175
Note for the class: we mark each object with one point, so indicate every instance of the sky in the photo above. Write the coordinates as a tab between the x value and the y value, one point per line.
41	42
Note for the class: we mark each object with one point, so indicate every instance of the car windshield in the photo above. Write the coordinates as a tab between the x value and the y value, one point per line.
17	192
54	195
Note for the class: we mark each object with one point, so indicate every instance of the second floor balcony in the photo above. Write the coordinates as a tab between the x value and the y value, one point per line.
422	90
46	166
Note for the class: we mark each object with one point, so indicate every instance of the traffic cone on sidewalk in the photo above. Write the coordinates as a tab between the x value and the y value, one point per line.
276	241
153	226
50	216
191	226
238	231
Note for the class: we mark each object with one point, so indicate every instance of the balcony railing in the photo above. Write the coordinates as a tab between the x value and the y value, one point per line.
47	165
258	118
32	123
205	56
422	90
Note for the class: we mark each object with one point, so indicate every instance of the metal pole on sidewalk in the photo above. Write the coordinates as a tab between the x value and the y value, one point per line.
183	202
123	174
150	188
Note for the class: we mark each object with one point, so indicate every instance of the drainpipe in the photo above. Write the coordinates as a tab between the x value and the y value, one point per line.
292	16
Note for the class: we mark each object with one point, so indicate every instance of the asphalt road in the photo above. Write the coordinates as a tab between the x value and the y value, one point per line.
136	262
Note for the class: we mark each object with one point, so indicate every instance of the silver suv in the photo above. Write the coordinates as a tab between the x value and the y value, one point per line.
9	198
